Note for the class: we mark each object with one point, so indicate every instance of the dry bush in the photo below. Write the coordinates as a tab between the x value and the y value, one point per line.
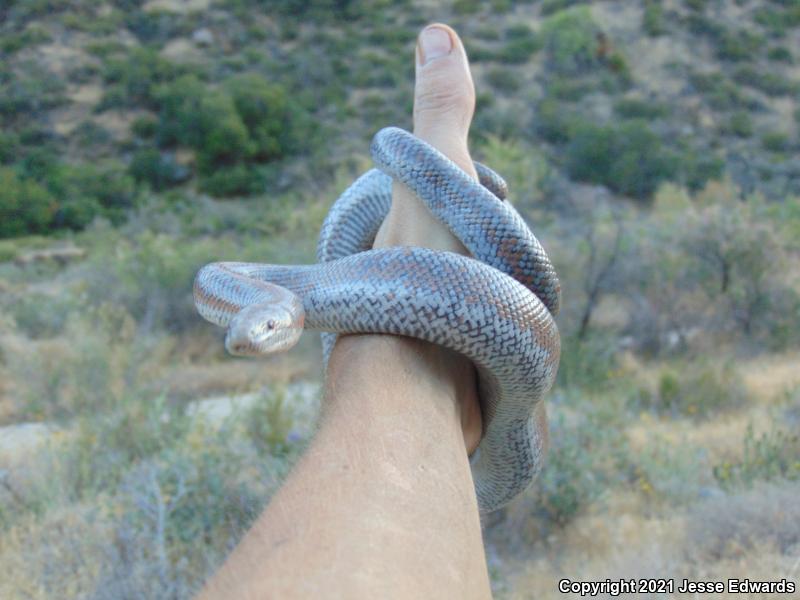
100	359
699	389
732	525
587	457
141	501
772	455
55	556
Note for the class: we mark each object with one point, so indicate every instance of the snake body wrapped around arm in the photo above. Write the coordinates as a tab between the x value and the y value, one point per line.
496	307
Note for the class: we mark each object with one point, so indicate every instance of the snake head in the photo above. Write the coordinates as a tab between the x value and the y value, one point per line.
265	329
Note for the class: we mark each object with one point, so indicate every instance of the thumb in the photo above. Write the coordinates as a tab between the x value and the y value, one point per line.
444	100
444	95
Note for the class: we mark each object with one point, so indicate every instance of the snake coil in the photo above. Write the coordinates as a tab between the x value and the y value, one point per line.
496	307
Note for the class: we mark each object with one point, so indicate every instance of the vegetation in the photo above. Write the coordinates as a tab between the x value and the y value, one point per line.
769	456
139	142
628	159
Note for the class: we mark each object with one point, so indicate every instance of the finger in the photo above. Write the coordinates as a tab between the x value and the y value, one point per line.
444	94
444	102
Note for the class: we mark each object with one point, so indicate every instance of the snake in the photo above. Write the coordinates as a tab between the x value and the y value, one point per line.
496	306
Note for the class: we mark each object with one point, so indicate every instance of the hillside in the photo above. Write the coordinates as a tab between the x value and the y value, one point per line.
653	146
239	98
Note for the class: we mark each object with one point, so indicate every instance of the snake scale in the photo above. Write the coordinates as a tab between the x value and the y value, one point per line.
496	307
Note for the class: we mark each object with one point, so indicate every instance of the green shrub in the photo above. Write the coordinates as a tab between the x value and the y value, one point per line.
31	36
503	80
223	134
92	24
628	158
653	18
133	79
268	423
151	275
776	141
154	26
489	33
739	124
274	125
27	91
236	130
145	127
768	82
776	20
739	45
780	54
770	18
617	64
698	166
107	183
466	7
586	457
150	166
327	10
76	193
586	363
522	43
524	167
571	89
41	315
570	38
235	180
698	391
179	111
104	49
477	53
635	108
720	93
550	7
696	5
699	24
25	206
91	136
552	121
772	455
9	147
501	6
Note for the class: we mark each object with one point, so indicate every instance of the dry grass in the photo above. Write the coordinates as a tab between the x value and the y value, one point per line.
753	534
732	526
720	436
769	377
53	557
614	541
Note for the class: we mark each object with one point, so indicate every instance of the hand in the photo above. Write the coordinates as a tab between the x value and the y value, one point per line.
444	102
382	504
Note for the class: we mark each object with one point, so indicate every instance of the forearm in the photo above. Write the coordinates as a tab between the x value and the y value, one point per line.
382	505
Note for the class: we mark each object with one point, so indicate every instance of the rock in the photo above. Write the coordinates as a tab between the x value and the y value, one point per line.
60	255
203	37
24	438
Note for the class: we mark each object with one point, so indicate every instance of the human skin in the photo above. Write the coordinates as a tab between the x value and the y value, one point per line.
382	504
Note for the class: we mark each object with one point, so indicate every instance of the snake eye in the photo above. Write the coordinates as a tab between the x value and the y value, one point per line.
270	324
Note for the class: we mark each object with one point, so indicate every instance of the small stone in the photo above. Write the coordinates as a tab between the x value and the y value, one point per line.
203	37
